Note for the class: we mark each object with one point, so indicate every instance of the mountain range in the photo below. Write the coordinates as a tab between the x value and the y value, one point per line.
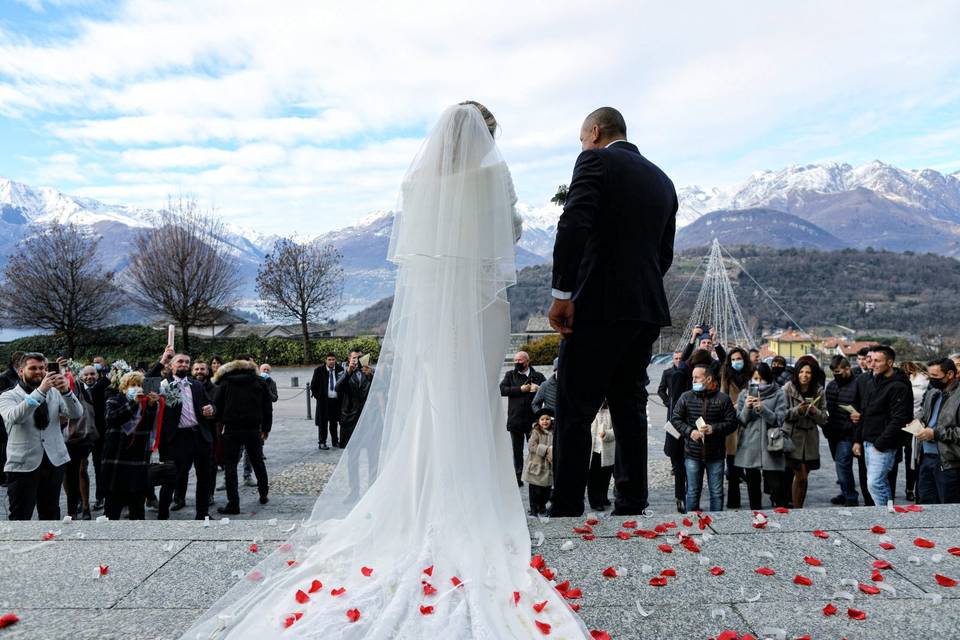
817	206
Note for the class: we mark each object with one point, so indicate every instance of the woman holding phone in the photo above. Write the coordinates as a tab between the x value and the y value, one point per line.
761	410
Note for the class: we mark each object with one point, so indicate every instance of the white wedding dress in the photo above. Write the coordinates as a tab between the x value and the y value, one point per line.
421	524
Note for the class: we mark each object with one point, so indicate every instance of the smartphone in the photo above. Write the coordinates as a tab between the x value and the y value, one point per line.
753	390
53	367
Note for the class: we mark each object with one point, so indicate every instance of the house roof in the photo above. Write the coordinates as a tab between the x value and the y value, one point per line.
538	324
791	335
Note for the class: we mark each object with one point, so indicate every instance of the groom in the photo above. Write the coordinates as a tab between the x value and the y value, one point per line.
614	243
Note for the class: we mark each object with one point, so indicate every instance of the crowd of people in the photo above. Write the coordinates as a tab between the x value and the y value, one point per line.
143	427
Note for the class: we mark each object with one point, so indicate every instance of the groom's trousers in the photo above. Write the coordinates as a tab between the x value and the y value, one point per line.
605	361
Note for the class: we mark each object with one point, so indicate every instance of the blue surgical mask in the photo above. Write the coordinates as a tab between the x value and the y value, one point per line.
698	387
98	366
264	375
737	365
132	393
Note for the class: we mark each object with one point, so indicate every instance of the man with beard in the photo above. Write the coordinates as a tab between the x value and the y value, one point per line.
842	392
36	452
186	437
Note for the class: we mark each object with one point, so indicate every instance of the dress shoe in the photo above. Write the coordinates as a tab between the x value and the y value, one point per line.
838	499
264	499
851	503
681	506
222	487
177	505
86	516
229	510
324	447
98	505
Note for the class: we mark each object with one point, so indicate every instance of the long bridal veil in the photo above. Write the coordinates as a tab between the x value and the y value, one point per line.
420	532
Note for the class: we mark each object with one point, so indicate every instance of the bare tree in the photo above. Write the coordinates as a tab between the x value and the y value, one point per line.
56	281
302	283
182	267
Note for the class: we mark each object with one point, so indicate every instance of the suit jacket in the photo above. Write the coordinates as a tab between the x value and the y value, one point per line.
318	389
352	390
26	444
172	413
615	237
97	396
520	403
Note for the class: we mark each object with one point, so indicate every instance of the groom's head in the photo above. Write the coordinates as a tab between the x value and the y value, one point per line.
602	127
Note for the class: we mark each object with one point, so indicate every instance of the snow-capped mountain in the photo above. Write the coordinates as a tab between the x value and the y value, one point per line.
791	188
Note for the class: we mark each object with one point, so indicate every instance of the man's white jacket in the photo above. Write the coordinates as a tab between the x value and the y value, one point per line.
25	443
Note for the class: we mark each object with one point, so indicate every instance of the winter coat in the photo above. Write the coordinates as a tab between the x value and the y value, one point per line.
733	385
947	432
605	446
802	425
674	382
352	390
26	444
243	399
546	396
886	407
126	456
717	410
519	405
538	469
839	426
756	429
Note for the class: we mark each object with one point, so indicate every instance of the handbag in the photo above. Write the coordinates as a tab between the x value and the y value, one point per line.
82	430
160	473
779	441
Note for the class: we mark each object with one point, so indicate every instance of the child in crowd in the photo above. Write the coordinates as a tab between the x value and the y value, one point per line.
538	470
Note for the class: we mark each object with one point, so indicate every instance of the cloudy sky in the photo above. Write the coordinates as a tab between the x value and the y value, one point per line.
303	115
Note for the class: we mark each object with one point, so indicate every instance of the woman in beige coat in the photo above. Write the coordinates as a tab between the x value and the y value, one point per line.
806	411
601	460
538	469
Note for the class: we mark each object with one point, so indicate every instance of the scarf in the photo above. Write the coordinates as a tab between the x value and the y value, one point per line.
41	416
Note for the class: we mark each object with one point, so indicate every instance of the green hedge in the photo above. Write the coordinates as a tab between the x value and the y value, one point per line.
544	350
135	343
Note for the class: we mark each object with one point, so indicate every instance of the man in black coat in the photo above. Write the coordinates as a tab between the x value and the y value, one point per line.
614	243
245	408
323	387
186	437
94	390
352	388
673	383
520	385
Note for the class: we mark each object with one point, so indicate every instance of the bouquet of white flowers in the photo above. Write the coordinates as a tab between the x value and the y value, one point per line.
118	369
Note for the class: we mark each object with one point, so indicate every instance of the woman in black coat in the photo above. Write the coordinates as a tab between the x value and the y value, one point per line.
126	448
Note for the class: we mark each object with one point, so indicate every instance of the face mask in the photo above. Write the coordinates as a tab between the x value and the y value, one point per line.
519	368
939	384
98	366
777	370
132	393
264	375
763	386
698	387
737	365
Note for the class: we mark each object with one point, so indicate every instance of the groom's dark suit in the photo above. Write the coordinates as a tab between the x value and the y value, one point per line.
614	243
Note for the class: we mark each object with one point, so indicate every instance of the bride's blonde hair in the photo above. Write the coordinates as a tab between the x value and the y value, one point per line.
488	118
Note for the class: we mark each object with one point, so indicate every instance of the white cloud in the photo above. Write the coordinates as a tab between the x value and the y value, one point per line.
315	108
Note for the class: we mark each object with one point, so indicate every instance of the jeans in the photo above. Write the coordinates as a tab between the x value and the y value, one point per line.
879	464
927	479
948	485
695	469
843	459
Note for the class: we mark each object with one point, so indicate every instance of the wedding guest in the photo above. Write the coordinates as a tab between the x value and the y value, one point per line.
706	443
95	387
761	410
8	380
842	392
352	388
80	438
538	470
520	385
939	469
675	381
36	453
546	395
265	372
736	373
919	383
806	411
601	459
215	363
131	429
323	387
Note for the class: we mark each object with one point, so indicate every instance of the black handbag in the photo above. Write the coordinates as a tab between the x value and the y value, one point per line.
160	473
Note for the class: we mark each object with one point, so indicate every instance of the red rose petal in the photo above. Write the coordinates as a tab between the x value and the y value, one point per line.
690	545
588	537
456	582
717	571
623	535
781	510
914	508
254	548
687	522
876	576
538	607
593	522
104	570
944	581
760	525
882	564
584	529
547	573
954	551
923	543
428	589
8	619
537	562
563	586
315	586
888	546
426	610
339	591
429	571
669	573
609	572
516	598
630	524
366	571
573	594
573	606
644	533
830	610
856	614
543	626
658	582
877	529
665	548
813	562
288	622
765	571
821	534
728	635
660	528
803	581
48	536
597	634
353	614
290	563
869	589
301	597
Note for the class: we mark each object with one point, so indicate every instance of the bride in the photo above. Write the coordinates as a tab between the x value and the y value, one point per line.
420	532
